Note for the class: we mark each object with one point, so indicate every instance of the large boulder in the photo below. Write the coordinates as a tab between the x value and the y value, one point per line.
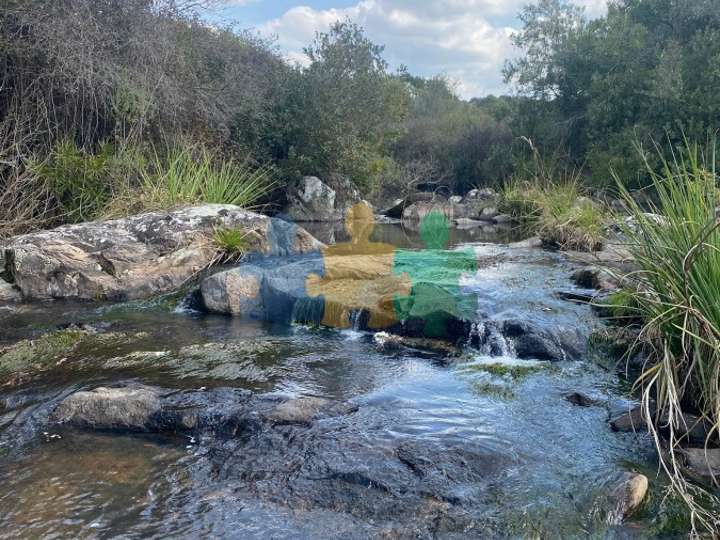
266	293
139	256
311	199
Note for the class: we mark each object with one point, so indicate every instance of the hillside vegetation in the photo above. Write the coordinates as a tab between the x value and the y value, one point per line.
98	95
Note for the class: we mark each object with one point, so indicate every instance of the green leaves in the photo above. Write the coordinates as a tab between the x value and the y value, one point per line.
646	70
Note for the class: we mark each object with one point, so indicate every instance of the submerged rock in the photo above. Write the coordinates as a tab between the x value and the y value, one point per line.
532	342
217	412
127	408
386	342
575	296
581	400
304	410
139	256
529	243
21	360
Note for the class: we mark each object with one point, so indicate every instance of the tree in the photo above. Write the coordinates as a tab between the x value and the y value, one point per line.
640	73
466	145
345	107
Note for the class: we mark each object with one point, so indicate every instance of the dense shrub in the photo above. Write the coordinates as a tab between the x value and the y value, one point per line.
646	71
467	146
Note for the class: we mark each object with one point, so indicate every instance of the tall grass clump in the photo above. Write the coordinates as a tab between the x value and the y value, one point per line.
677	248
192	175
549	200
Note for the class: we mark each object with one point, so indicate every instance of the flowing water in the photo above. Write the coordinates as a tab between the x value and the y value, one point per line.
557	459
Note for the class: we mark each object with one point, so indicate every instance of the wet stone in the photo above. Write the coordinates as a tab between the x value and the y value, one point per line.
304	410
581	400
131	408
629	422
703	462
627	495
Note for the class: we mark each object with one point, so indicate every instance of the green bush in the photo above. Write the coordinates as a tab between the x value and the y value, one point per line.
549	200
81	182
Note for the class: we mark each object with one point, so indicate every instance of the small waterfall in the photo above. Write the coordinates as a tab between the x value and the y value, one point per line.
191	302
487	338
356	320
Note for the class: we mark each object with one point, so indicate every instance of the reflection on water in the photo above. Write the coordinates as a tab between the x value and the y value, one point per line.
559	456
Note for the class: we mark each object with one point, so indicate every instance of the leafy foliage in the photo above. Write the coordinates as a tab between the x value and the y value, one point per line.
644	71
81	182
343	110
466	145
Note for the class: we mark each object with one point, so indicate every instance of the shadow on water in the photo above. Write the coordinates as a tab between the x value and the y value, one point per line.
557	458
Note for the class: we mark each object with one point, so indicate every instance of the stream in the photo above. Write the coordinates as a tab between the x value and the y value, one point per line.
483	445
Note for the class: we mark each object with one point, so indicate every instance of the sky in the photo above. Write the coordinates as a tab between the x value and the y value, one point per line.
465	40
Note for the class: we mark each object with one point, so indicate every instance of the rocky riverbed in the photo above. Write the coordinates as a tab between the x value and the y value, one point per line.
157	416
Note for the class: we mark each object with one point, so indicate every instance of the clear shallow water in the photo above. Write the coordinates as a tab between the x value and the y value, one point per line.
557	458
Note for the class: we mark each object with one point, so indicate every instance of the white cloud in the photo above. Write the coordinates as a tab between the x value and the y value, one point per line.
457	38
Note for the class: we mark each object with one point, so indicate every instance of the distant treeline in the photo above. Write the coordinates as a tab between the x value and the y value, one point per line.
648	72
127	77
